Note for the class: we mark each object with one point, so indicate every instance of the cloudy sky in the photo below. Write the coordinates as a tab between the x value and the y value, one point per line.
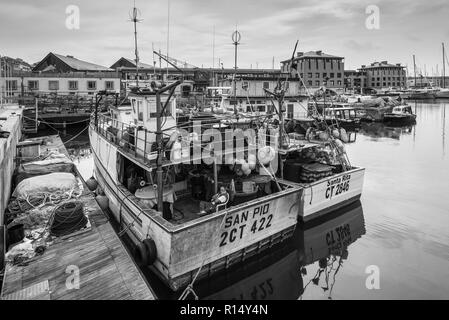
31	28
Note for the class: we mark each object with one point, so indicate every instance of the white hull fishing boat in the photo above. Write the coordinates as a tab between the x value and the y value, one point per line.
198	197
180	248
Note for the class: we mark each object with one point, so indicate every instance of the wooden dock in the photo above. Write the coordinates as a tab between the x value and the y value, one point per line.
106	269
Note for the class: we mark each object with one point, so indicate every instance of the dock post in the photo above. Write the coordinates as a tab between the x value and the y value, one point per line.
2	247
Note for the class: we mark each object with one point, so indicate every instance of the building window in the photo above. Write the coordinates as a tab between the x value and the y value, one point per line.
11	85
73	85
317	75
309	60
290	111
109	85
332	75
332	83
317	83
339	82
53	85
316	63
33	85
91	85
309	83
339	75
324	75
309	75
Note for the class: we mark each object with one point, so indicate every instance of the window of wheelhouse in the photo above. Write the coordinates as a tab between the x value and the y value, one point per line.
139	110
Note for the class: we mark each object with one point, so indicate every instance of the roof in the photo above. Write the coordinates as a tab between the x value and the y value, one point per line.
383	64
74	63
132	63
80	64
313	54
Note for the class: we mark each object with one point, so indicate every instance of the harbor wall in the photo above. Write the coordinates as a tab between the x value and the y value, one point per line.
10	121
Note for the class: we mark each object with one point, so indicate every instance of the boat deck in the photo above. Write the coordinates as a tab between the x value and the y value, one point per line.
106	269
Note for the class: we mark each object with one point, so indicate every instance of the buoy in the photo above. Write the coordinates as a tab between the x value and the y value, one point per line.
92	184
340	145
252	161
336	133
102	201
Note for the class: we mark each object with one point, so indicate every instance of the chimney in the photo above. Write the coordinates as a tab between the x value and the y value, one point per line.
384	62
319	52
68	56
299	54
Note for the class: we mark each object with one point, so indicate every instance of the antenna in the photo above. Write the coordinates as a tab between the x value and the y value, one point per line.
168	32
134	17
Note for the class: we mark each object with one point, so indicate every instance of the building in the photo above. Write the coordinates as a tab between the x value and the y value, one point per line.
382	75
354	81
58	75
61	64
318	69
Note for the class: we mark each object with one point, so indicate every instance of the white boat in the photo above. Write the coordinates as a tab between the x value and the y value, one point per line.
442	93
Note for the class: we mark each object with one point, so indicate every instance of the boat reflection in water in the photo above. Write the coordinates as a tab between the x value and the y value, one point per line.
278	274
381	130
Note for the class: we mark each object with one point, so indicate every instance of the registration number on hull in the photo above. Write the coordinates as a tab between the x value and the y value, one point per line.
337	186
251	221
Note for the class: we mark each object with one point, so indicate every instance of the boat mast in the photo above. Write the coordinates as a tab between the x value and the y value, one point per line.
444	66
236	36
414	70
135	19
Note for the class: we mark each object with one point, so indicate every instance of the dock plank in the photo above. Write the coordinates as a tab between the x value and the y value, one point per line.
106	270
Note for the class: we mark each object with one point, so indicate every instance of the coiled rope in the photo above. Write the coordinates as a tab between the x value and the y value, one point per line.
38	200
67	218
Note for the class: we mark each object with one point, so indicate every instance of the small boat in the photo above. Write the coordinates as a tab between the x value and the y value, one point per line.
442	93
400	114
419	94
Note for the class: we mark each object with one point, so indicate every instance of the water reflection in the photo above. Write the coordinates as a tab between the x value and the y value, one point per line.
377	130
314	257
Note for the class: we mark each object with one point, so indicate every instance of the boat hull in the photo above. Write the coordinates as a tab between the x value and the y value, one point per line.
327	195
210	243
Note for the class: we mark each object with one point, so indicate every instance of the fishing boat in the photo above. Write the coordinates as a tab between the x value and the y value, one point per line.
401	114
442	93
156	193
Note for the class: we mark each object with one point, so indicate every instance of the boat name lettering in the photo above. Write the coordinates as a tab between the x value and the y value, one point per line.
337	186
236	225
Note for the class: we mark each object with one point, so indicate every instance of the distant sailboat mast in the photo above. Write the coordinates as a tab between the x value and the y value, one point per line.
444	66
135	19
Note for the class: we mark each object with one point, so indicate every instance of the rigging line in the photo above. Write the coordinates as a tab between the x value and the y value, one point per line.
73	138
55	123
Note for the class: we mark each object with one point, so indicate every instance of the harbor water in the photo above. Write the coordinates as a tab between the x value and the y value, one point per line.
392	246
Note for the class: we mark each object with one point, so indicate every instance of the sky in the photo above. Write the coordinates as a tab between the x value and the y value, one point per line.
29	29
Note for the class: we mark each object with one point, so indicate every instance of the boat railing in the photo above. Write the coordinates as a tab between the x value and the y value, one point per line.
142	146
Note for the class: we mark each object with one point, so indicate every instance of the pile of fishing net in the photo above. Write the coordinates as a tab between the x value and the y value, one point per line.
67	218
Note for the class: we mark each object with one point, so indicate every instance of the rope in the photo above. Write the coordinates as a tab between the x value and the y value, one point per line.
67	218
189	288
38	200
56	123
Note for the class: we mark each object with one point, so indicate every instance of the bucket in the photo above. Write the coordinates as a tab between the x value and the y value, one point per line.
15	234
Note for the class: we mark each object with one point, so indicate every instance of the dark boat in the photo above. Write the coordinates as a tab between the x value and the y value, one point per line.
400	114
